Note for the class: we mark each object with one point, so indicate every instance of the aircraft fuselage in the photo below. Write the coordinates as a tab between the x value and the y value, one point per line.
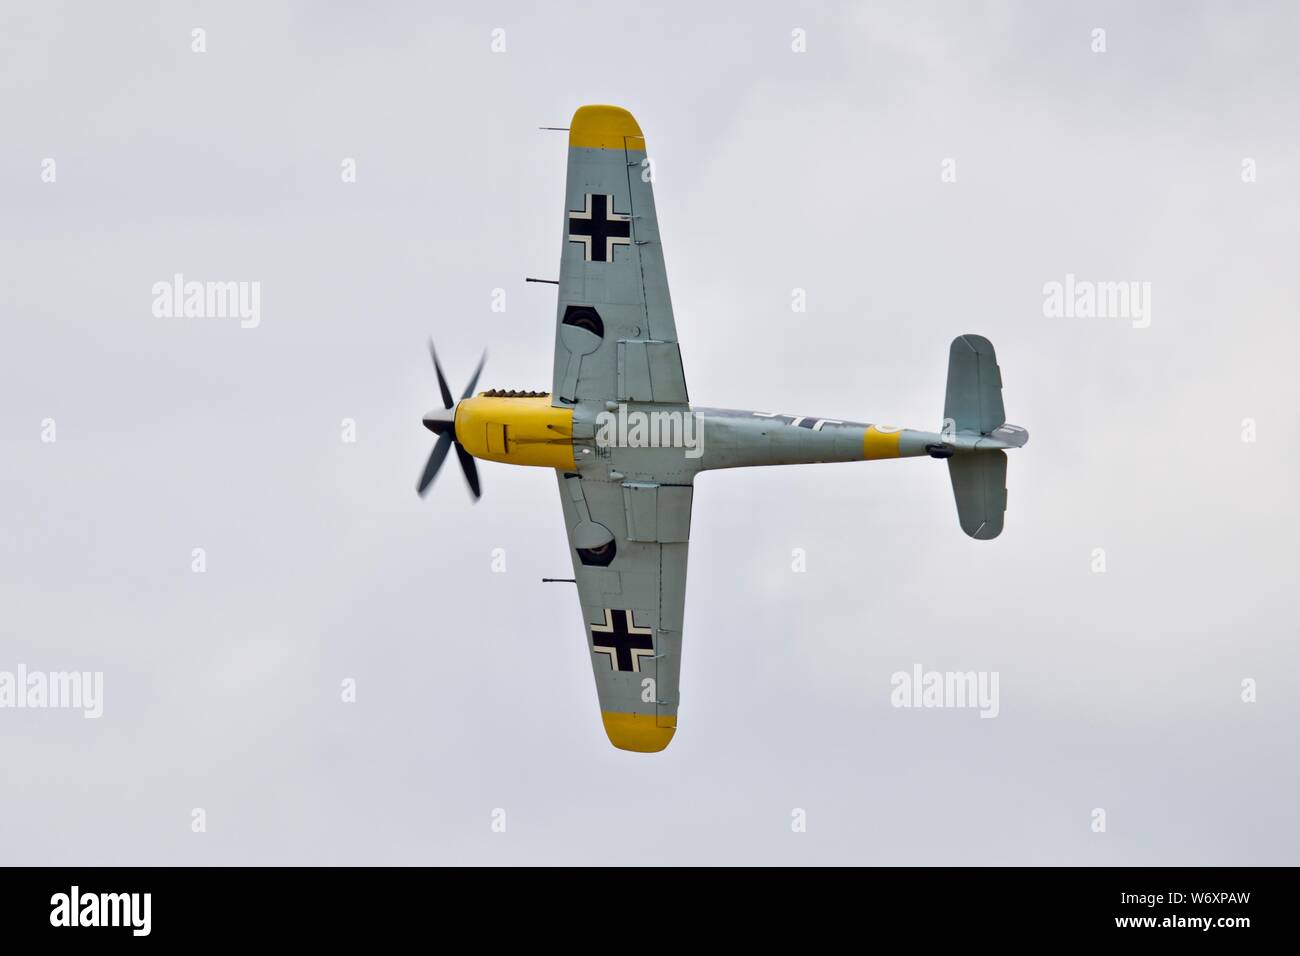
672	442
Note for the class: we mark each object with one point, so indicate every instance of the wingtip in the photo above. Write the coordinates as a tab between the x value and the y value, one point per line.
639	733
603	127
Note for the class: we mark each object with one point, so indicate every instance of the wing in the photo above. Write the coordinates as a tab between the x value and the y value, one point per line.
628	543
615	336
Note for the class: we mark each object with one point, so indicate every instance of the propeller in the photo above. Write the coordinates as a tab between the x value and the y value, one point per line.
442	422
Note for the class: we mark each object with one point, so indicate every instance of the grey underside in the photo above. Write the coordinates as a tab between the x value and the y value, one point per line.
635	360
640	498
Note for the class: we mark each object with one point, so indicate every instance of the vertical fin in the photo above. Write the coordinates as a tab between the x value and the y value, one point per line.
974	399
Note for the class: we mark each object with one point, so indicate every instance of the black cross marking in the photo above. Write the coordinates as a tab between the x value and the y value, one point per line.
622	640
599	228
800	421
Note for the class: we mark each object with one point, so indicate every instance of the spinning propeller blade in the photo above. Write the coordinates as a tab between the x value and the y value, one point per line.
443	424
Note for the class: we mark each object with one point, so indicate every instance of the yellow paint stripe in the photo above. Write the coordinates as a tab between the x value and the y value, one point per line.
604	127
878	443
640	733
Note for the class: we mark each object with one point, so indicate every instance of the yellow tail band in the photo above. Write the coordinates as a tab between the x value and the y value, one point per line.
880	441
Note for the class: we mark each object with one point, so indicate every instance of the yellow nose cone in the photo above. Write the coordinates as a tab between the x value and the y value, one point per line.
640	733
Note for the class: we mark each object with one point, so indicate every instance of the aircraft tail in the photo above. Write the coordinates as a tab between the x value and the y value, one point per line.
975	425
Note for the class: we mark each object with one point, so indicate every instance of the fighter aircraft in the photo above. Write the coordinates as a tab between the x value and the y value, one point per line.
618	429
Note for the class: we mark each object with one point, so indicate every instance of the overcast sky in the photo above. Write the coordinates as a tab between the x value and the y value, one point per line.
775	170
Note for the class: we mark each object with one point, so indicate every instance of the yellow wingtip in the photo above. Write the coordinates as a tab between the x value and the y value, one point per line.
603	127
639	733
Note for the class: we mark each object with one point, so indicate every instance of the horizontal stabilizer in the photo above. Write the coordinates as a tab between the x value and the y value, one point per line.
1008	436
979	483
